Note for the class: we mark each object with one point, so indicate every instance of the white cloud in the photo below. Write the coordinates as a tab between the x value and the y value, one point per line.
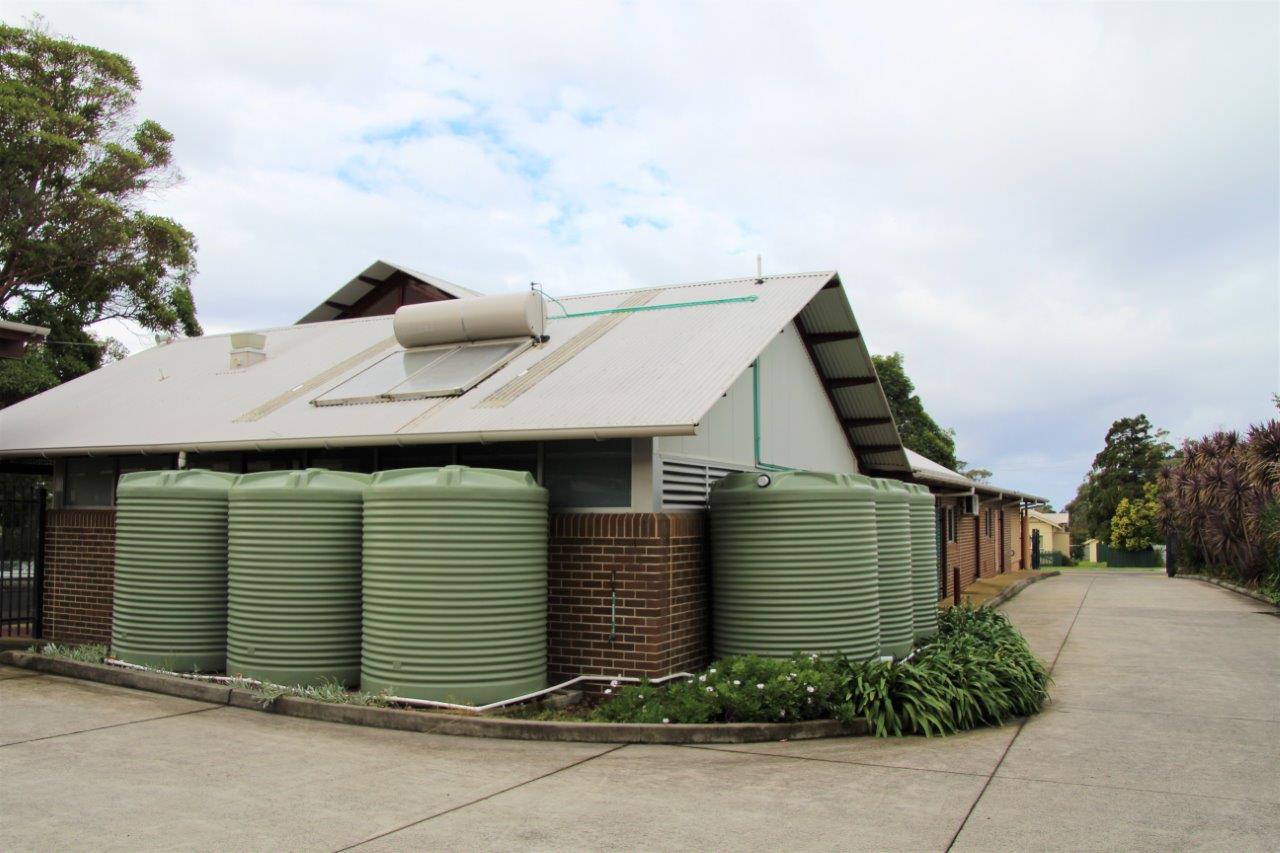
1061	214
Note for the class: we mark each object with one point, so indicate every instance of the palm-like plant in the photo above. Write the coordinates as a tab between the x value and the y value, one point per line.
1221	498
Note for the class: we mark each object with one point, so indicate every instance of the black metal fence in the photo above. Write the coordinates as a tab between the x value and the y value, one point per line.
22	515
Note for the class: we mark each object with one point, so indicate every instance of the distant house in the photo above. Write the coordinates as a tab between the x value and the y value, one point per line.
625	405
1053	527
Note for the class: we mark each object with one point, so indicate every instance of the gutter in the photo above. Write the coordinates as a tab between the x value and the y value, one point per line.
342	442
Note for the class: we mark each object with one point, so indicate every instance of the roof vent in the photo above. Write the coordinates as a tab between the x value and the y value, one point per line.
247	349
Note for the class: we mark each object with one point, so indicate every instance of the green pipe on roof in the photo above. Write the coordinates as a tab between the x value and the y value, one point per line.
662	307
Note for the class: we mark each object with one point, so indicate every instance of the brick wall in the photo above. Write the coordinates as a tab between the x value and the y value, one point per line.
79	571
990	550
961	554
1012	537
655	564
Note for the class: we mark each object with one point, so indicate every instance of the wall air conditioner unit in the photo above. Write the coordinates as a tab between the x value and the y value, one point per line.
969	504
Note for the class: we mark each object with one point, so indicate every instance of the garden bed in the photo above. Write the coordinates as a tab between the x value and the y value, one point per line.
978	671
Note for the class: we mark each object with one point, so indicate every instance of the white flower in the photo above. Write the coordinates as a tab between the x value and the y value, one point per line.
711	690
642	697
792	675
810	688
760	686
736	682
702	678
808	701
712	670
607	691
613	683
783	713
666	719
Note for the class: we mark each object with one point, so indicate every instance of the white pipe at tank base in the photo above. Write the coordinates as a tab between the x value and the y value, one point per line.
194	676
430	703
417	703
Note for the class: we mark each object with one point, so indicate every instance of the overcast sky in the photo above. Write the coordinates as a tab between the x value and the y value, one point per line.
1060	214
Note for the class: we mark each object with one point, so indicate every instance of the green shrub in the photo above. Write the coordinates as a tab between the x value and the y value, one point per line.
977	671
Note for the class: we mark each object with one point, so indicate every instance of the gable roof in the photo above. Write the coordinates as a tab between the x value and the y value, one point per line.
629	363
1050	518
925	470
373	276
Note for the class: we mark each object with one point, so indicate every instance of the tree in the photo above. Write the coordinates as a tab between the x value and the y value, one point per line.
919	431
1132	456
76	245
978	475
1136	522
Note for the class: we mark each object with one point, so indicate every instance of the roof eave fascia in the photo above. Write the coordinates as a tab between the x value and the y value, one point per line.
342	442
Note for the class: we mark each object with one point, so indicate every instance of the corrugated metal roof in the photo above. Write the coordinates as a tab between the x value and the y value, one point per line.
925	470
651	372
373	275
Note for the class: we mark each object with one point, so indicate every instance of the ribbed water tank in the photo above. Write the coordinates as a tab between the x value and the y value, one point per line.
893	548
455	584
794	565
170	607
293	572
924	562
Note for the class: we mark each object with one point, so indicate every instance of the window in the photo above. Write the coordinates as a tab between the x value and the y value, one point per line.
511	455
415	456
989	522
274	460
950	521
358	459
90	481
588	473
228	463
440	371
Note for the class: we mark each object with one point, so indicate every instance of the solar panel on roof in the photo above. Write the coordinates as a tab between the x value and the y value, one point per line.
441	371
456	372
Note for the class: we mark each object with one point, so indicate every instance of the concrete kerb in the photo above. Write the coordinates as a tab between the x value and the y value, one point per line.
1012	590
431	721
201	691
1236	588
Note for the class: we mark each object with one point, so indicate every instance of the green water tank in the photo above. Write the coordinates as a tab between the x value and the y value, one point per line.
924	562
293	576
893	548
170	608
794	565
455	584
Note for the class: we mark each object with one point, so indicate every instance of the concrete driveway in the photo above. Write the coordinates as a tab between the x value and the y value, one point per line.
1164	733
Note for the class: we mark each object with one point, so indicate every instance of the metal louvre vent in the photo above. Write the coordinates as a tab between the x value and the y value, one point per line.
687	482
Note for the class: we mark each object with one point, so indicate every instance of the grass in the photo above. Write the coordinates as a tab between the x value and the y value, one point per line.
84	654
329	691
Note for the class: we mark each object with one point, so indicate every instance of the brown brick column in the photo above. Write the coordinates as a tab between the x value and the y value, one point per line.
626	593
79	574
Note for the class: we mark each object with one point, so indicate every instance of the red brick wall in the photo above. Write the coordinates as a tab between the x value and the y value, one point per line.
656	565
79	572
960	554
990	554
